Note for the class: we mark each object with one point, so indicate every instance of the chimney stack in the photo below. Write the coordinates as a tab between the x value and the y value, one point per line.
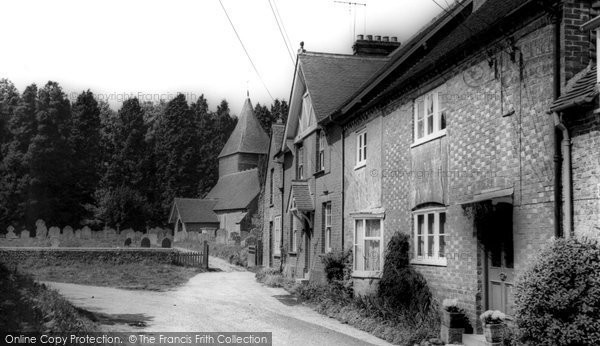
375	45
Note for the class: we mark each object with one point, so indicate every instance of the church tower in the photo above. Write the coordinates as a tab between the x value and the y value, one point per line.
247	143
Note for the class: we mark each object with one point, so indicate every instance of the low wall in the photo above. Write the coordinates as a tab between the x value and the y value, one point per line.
56	256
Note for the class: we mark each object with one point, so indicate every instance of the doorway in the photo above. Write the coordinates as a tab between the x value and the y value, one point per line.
499	258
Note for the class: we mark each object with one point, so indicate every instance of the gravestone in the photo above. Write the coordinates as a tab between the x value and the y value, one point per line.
10	233
129	233
40	229
145	242
54	242
86	233
161	233
77	233
24	234
166	243
127	242
54	232
153	238
138	235
67	232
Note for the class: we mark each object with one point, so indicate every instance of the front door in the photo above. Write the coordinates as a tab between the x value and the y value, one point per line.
271	242
500	259
306	253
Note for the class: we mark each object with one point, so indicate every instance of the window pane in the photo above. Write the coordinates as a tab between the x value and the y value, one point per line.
365	147
372	255
430	223
420	110
373	228
420	245
430	246
420	224
442	120
442	223
420	129
442	246
429	124
429	101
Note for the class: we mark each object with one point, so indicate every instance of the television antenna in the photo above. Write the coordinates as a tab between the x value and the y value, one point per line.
351	6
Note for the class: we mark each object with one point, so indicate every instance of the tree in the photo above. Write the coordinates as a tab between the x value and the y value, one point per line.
279	110
264	116
9	98
48	157
84	142
177	152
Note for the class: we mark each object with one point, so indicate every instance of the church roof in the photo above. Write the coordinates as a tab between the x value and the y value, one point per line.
194	210
236	190
248	136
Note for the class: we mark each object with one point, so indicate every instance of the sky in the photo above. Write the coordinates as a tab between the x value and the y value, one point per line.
155	49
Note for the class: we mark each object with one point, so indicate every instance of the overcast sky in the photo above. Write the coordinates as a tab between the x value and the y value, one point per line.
143	48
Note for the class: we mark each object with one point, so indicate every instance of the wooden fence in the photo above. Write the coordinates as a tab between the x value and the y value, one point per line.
192	258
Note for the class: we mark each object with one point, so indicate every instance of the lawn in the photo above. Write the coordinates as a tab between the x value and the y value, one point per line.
143	275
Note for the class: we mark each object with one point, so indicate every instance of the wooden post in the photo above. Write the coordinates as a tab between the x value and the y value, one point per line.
205	255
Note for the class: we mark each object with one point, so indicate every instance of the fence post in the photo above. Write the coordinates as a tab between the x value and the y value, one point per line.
205	255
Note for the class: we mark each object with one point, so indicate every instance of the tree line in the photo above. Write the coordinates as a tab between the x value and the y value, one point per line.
81	163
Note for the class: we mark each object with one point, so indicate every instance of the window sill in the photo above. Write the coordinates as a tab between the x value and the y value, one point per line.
319	173
360	165
430	262
429	138
363	274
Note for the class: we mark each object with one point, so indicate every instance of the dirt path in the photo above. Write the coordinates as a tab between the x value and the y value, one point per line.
230	300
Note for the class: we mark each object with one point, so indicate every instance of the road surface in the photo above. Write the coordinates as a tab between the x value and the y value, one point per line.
227	301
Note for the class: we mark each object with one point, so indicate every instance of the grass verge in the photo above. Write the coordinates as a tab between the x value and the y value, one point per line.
143	275
26	306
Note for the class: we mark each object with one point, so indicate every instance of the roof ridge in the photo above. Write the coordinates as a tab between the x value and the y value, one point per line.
347	56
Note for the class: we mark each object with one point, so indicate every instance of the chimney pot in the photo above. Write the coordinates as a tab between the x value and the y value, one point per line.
394	39
385	38
369	37
360	37
377	37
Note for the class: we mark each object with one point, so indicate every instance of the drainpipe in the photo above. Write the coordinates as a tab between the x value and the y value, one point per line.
342	176
557	147
565	147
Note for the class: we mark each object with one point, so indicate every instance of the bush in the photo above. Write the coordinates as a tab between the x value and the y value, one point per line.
338	265
401	287
558	299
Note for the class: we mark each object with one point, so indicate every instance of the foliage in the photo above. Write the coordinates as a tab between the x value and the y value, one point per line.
492	317
401	287
31	307
123	207
558	298
451	305
338	265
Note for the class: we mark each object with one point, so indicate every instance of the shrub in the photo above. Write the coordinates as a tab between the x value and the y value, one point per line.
338	265
558	298
401	287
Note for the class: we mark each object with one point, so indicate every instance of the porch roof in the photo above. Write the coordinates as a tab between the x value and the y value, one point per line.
580	92
490	195
300	195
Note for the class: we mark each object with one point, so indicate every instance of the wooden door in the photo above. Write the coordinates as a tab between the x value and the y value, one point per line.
500	260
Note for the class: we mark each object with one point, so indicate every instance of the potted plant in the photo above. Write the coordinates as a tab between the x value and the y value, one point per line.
493	325
452	317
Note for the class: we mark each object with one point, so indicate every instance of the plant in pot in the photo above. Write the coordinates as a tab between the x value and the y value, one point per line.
493	325
452	317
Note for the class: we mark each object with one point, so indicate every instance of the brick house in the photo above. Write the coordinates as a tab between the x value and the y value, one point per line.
304	174
460	150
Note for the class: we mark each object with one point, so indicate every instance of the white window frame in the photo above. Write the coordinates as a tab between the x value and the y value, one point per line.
426	257
321	153
294	234
277	236
300	162
355	261
436	130
361	148
328	227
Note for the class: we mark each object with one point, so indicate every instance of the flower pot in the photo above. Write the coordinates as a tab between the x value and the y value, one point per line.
452	319
494	332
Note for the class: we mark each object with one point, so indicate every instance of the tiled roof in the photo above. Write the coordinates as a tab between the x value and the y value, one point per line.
248	136
236	190
300	194
581	91
455	38
332	78
278	131
194	210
